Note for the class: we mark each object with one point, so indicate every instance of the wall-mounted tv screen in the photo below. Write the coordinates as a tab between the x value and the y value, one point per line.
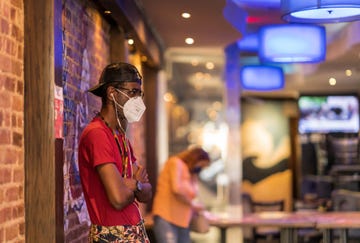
328	114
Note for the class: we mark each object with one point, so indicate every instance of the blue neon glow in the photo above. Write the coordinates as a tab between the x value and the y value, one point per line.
262	3
261	78
235	16
249	43
288	43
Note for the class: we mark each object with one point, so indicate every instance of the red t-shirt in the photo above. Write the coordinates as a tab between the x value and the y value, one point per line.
98	146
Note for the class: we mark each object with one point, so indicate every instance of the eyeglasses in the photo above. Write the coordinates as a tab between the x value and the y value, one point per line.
133	92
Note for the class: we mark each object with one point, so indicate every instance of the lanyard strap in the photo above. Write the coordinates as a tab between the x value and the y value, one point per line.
125	156
124	150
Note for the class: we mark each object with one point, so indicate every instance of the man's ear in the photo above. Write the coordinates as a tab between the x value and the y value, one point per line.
110	93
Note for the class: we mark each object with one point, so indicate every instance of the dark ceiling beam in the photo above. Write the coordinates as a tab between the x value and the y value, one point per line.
130	18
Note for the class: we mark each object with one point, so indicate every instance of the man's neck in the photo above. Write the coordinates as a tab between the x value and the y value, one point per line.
109	117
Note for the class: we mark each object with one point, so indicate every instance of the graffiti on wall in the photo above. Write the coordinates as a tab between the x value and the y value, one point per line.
73	195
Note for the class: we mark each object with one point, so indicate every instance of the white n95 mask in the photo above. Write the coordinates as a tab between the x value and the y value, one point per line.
134	109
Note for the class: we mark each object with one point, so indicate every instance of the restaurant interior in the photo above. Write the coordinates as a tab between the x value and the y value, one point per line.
299	129
269	88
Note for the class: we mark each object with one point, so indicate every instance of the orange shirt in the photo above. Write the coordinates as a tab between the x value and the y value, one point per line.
174	192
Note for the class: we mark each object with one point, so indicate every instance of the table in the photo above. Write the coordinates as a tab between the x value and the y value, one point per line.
342	221
223	224
287	222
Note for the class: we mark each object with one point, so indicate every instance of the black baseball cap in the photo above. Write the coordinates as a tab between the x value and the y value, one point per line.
116	72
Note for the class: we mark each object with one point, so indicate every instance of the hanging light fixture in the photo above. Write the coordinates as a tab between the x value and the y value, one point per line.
289	43
320	11
261	78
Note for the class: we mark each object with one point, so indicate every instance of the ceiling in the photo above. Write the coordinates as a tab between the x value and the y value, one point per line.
212	33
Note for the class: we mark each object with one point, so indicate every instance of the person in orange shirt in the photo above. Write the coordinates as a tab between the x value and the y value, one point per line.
175	193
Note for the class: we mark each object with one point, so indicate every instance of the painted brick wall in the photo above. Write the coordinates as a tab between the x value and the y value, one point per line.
86	51
12	213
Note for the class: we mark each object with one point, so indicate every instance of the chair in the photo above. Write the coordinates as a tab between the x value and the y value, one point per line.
345	150
346	200
267	233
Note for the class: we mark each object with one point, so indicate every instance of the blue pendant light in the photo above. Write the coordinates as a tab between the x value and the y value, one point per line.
261	78
289	43
320	11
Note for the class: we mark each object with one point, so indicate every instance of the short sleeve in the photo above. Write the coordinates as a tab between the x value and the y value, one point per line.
99	147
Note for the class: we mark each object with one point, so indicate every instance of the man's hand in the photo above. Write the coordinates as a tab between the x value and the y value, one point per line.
141	174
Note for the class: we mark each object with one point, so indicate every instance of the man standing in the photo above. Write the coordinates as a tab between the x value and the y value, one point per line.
112	180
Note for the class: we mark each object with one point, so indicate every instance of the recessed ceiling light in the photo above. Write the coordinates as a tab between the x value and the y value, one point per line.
185	15
348	72
332	81
130	41
189	41
209	65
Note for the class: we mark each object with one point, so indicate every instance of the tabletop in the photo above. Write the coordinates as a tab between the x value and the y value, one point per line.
288	222
337	220
280	219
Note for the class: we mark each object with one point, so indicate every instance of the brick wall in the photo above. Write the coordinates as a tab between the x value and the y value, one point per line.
12	216
86	51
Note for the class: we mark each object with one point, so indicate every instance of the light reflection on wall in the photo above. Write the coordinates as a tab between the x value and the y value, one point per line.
178	120
205	128
214	137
